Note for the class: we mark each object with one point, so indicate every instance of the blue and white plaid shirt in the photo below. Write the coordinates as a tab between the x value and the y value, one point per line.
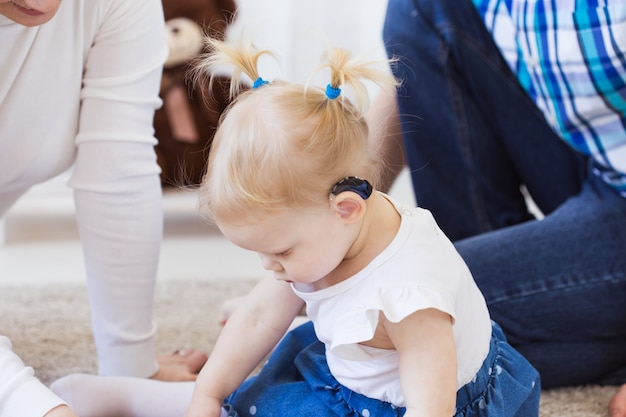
570	56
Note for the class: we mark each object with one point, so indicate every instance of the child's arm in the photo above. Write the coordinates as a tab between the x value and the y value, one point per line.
427	360
248	336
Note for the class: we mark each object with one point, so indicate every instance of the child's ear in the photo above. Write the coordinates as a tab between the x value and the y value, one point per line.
350	206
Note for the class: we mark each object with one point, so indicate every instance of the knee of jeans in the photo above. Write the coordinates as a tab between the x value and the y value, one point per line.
409	28
444	13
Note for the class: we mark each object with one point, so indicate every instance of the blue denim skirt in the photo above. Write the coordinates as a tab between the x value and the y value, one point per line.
296	381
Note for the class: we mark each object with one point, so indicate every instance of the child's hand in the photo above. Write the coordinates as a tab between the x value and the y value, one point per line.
203	406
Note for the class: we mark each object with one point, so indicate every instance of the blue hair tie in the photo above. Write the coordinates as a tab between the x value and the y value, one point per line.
259	82
332	92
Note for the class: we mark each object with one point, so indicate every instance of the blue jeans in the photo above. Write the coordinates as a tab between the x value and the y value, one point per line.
472	136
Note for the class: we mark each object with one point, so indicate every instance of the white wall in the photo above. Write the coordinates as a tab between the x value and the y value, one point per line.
296	30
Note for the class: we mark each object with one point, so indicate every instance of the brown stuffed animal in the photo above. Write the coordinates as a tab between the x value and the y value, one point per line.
186	122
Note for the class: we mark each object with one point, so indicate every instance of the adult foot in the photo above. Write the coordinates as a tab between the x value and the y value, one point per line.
617	406
181	365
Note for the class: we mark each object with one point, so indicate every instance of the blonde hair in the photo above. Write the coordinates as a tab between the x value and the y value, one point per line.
285	144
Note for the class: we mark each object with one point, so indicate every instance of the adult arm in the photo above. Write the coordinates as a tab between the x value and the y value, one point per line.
249	335
427	361
21	394
116	184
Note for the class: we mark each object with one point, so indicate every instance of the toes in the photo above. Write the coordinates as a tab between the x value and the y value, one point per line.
195	360
192	359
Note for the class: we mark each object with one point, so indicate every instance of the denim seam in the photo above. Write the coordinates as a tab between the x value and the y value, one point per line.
613	278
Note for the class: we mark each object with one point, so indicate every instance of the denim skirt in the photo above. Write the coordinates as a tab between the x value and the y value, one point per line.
296	381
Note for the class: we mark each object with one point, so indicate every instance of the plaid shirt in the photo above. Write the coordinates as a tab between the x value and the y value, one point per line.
570	56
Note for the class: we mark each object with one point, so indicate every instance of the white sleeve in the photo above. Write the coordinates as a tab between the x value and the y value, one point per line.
116	183
119	212
21	394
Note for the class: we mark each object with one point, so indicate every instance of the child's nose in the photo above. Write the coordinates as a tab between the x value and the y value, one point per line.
270	264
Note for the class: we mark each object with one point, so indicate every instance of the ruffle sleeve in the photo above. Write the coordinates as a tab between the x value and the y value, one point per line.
354	327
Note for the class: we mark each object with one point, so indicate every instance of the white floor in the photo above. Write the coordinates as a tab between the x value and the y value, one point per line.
39	242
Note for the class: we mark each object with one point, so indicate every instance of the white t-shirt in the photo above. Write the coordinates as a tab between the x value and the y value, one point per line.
420	269
82	90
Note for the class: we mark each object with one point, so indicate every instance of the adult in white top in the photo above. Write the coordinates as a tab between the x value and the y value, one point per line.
79	86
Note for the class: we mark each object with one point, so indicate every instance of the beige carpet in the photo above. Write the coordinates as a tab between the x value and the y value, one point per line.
50	330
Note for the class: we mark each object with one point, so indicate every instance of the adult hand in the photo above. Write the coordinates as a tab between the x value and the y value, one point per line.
61	411
182	365
617	406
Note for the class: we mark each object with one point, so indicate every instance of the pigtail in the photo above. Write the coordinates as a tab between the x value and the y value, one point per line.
353	73
242	57
341	127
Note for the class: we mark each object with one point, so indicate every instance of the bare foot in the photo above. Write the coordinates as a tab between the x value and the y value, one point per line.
617	406
182	365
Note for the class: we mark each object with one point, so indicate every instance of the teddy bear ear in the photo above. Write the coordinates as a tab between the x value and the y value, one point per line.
184	40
